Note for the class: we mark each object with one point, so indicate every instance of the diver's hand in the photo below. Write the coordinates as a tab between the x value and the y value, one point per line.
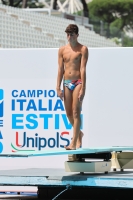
81	94
60	94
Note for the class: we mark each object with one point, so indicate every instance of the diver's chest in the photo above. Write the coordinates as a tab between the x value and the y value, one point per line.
72	56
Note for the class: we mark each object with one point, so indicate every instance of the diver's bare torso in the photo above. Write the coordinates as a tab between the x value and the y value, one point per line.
72	61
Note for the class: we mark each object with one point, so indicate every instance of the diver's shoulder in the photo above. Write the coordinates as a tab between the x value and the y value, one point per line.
62	48
84	48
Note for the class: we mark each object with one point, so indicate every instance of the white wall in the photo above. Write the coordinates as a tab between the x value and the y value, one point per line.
110	97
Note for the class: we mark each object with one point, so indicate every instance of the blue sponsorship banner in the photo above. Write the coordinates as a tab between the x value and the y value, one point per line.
1	102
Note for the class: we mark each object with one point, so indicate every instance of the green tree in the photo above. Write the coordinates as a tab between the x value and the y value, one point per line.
117	13
23	3
127	41
14	3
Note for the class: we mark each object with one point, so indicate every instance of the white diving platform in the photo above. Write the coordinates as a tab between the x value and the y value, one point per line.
68	152
99	159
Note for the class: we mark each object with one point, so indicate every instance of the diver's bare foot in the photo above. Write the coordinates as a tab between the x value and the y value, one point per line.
79	140
69	148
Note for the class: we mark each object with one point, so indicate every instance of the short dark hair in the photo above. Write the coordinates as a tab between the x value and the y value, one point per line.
72	28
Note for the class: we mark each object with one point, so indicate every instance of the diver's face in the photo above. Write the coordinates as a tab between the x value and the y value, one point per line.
71	37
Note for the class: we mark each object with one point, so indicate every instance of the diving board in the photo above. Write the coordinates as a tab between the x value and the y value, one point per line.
117	157
68	152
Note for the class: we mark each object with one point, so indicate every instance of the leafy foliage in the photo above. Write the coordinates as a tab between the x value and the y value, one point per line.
118	14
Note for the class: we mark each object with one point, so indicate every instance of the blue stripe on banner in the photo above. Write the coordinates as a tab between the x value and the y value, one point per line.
1	94
1	109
